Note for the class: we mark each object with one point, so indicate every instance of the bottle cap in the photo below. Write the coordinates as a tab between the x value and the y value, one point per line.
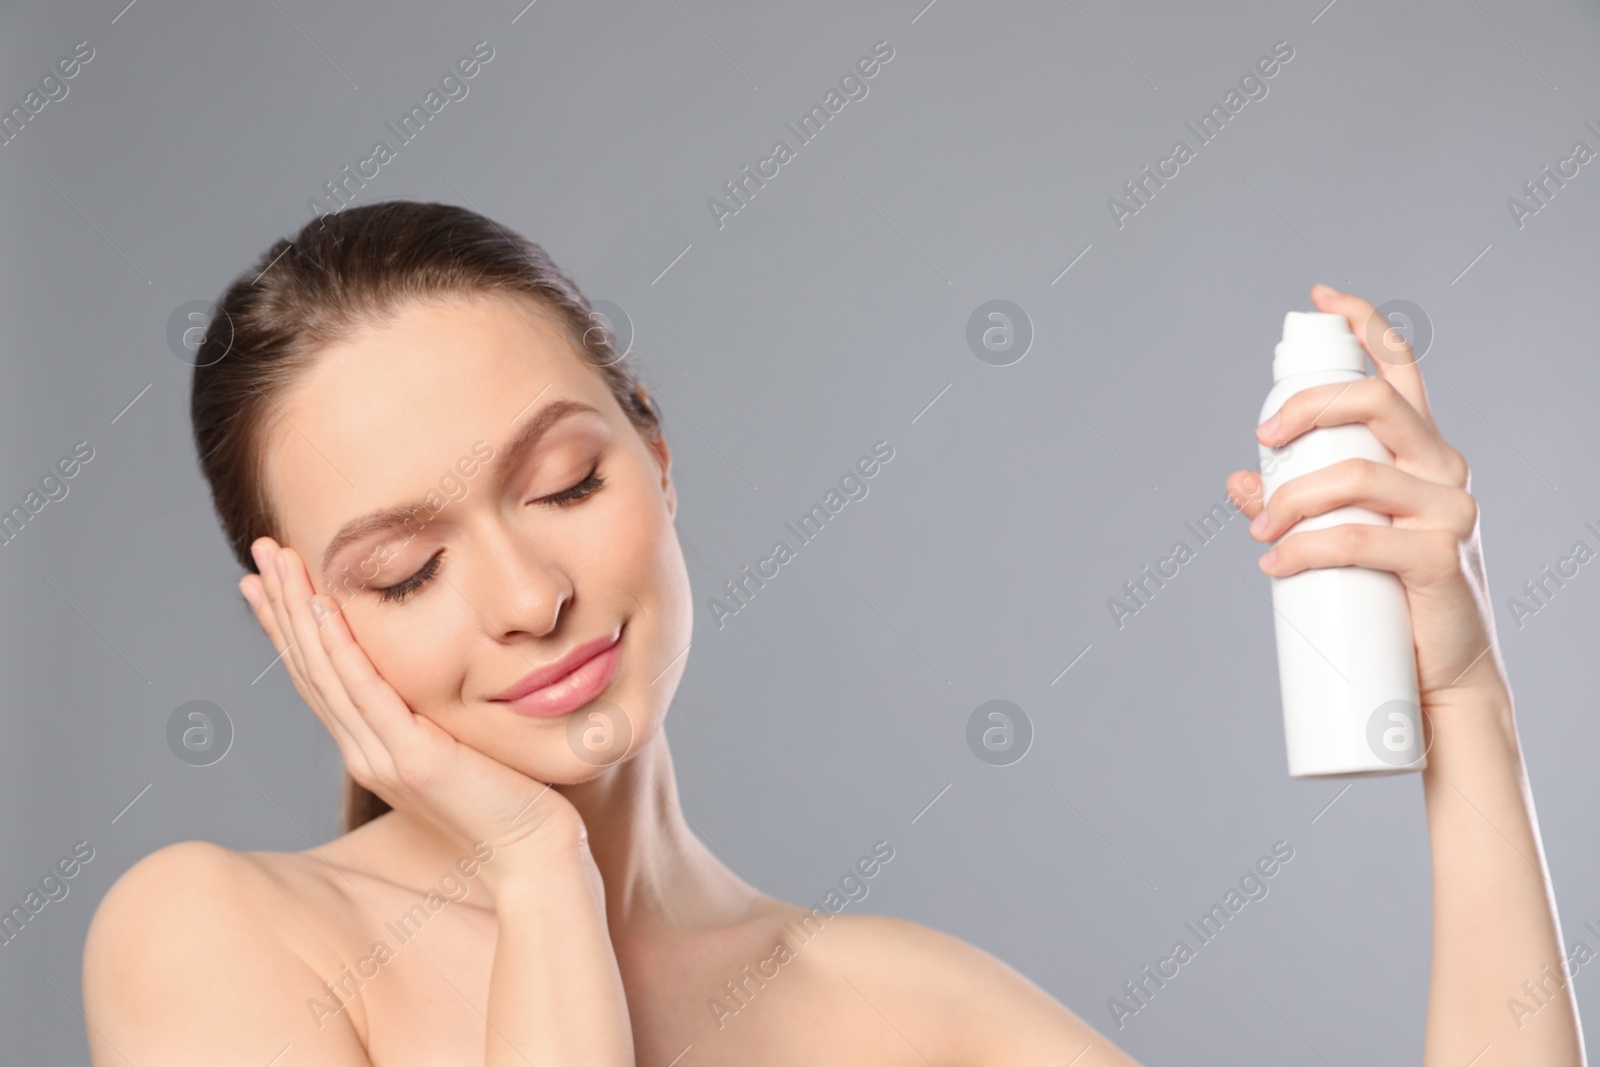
1316	341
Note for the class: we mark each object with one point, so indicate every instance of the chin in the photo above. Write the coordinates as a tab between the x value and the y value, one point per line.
583	758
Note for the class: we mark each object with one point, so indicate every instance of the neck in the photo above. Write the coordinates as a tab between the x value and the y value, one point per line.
659	876
657	871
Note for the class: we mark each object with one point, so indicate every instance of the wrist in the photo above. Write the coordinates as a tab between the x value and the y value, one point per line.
1473	724
535	863
1479	697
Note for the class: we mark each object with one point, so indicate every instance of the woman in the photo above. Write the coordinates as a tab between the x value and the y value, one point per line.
459	505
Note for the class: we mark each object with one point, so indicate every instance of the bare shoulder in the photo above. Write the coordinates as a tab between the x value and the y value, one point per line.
195	956
978	1009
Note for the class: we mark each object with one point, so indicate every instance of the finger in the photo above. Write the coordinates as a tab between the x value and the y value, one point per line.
254	588
276	624
403	732
1414	442
1394	359
265	550
342	666
1365	483
324	675
1420	557
255	595
1245	489
362	755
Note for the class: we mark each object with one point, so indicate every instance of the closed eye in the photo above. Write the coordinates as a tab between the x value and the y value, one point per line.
398	592
590	484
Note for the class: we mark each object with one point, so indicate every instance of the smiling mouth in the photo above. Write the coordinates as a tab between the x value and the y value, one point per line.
568	682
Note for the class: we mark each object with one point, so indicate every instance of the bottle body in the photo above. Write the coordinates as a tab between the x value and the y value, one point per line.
1347	669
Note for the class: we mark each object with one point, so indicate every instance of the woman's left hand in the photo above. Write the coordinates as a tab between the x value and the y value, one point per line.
1433	544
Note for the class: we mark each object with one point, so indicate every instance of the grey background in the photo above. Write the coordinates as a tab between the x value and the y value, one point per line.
827	315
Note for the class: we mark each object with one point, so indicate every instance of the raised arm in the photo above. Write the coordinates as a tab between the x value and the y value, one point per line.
1499	992
1499	989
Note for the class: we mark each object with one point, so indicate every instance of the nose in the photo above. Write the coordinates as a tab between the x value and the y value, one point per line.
518	588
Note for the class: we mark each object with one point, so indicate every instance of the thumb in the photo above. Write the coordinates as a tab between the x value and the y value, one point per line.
1246	490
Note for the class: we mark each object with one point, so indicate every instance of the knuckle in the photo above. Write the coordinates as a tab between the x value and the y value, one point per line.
1361	473
1371	393
1352	537
359	772
1467	514
413	774
1444	553
1384	390
384	768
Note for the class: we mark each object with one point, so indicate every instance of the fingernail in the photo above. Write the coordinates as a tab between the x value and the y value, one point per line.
283	572
255	554
1269	429
1268	559
318	612
1259	523
1328	290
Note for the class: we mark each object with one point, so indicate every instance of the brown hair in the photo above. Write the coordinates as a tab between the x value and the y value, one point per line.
343	272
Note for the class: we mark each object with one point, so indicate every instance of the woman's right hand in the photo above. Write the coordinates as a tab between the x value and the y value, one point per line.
555	989
406	758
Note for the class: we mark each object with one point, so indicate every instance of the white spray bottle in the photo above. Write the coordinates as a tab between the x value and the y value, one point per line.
1347	669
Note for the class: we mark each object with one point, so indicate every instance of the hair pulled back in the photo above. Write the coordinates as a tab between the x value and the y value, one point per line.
340	274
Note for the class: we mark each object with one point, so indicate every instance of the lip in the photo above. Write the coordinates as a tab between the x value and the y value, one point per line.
569	681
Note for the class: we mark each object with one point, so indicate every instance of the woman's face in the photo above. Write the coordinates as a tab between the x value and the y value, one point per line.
422	414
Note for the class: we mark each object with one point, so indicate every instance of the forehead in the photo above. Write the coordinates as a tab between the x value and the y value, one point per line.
381	417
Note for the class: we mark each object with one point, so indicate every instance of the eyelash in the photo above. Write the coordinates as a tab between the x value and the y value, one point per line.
565	498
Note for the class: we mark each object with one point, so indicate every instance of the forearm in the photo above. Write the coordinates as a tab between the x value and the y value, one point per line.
555	992
1494	920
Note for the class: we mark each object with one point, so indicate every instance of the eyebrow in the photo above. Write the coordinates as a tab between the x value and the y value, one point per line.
525	442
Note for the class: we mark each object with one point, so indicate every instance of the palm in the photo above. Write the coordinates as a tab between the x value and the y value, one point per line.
479	787
1452	625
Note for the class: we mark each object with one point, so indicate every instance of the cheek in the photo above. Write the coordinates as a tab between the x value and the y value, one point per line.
634	565
415	652
659	578
635	548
